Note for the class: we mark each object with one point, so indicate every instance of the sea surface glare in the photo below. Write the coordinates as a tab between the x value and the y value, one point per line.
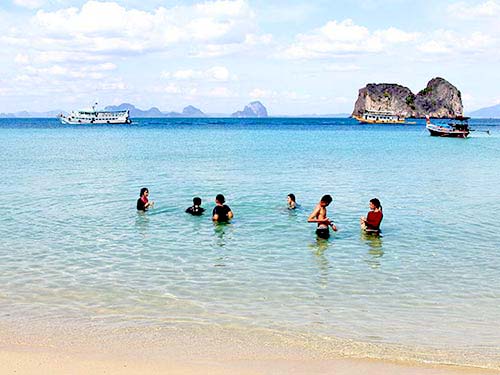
74	251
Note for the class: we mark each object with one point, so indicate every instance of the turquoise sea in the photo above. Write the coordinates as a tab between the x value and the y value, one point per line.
75	251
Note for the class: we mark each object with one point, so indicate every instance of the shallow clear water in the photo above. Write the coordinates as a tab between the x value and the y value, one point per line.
74	248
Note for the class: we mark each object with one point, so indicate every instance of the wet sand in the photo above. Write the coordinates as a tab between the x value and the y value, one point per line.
201	350
15	362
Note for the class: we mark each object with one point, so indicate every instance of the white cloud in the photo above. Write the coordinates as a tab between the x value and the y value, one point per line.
462	10
221	92
393	35
262	94
343	67
31	4
172	89
214	74
101	31
345	37
434	47
258	93
250	44
86	72
447	42
22	59
109	27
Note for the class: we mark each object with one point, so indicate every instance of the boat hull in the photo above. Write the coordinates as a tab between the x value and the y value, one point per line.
96	118
449	133
66	121
363	120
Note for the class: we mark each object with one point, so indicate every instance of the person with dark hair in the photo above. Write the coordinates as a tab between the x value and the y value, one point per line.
143	203
292	204
320	217
195	209
221	212
371	223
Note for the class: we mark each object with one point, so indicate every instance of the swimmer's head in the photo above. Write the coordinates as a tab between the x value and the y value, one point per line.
144	190
220	199
376	203
291	197
196	201
326	200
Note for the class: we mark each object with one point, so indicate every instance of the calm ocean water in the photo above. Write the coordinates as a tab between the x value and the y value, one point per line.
74	249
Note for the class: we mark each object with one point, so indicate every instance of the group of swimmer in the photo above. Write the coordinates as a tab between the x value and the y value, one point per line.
222	212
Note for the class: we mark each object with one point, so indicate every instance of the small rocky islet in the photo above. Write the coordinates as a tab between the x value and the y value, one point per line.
439	99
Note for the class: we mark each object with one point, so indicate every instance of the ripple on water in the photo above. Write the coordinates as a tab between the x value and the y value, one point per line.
74	248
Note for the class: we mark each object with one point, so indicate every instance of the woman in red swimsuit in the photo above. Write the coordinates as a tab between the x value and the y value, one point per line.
371	223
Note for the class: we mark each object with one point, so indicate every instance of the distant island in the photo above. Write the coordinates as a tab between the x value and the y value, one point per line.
440	99
488	112
254	109
154	112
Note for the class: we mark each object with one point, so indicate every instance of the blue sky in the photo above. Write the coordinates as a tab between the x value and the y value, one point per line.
296	57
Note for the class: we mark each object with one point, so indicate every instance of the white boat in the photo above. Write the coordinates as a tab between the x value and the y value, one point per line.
379	117
96	117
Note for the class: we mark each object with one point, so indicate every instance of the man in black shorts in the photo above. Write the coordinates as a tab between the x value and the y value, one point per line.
319	216
221	212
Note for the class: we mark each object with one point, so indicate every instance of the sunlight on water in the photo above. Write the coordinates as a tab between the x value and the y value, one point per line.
74	247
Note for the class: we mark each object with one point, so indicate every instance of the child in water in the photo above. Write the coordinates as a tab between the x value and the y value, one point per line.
371	223
143	203
292	204
195	209
221	212
319	216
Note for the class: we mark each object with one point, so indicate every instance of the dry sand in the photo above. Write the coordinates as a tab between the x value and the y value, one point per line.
12	362
187	350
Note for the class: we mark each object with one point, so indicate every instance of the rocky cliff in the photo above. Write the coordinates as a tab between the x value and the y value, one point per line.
254	109
439	99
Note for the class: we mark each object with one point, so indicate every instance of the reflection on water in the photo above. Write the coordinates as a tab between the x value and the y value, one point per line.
142	223
220	230
374	242
106	251
318	250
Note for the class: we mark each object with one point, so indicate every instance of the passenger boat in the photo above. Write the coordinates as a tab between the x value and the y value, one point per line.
459	128
380	117
96	117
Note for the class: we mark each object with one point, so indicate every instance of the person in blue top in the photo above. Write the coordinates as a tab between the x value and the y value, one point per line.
221	212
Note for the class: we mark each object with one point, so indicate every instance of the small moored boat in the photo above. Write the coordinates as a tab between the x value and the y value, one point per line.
458	128
96	117
380	117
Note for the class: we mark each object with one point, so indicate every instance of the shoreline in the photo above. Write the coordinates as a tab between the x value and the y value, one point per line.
205	350
28	361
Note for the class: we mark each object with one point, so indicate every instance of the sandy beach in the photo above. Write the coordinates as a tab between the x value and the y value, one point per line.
202	350
48	362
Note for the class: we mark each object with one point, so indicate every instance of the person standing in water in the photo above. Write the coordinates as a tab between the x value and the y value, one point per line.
371	223
143	203
196	209
292	204
320	217
221	212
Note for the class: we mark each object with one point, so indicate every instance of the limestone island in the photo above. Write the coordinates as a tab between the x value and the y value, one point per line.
392	103
254	109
